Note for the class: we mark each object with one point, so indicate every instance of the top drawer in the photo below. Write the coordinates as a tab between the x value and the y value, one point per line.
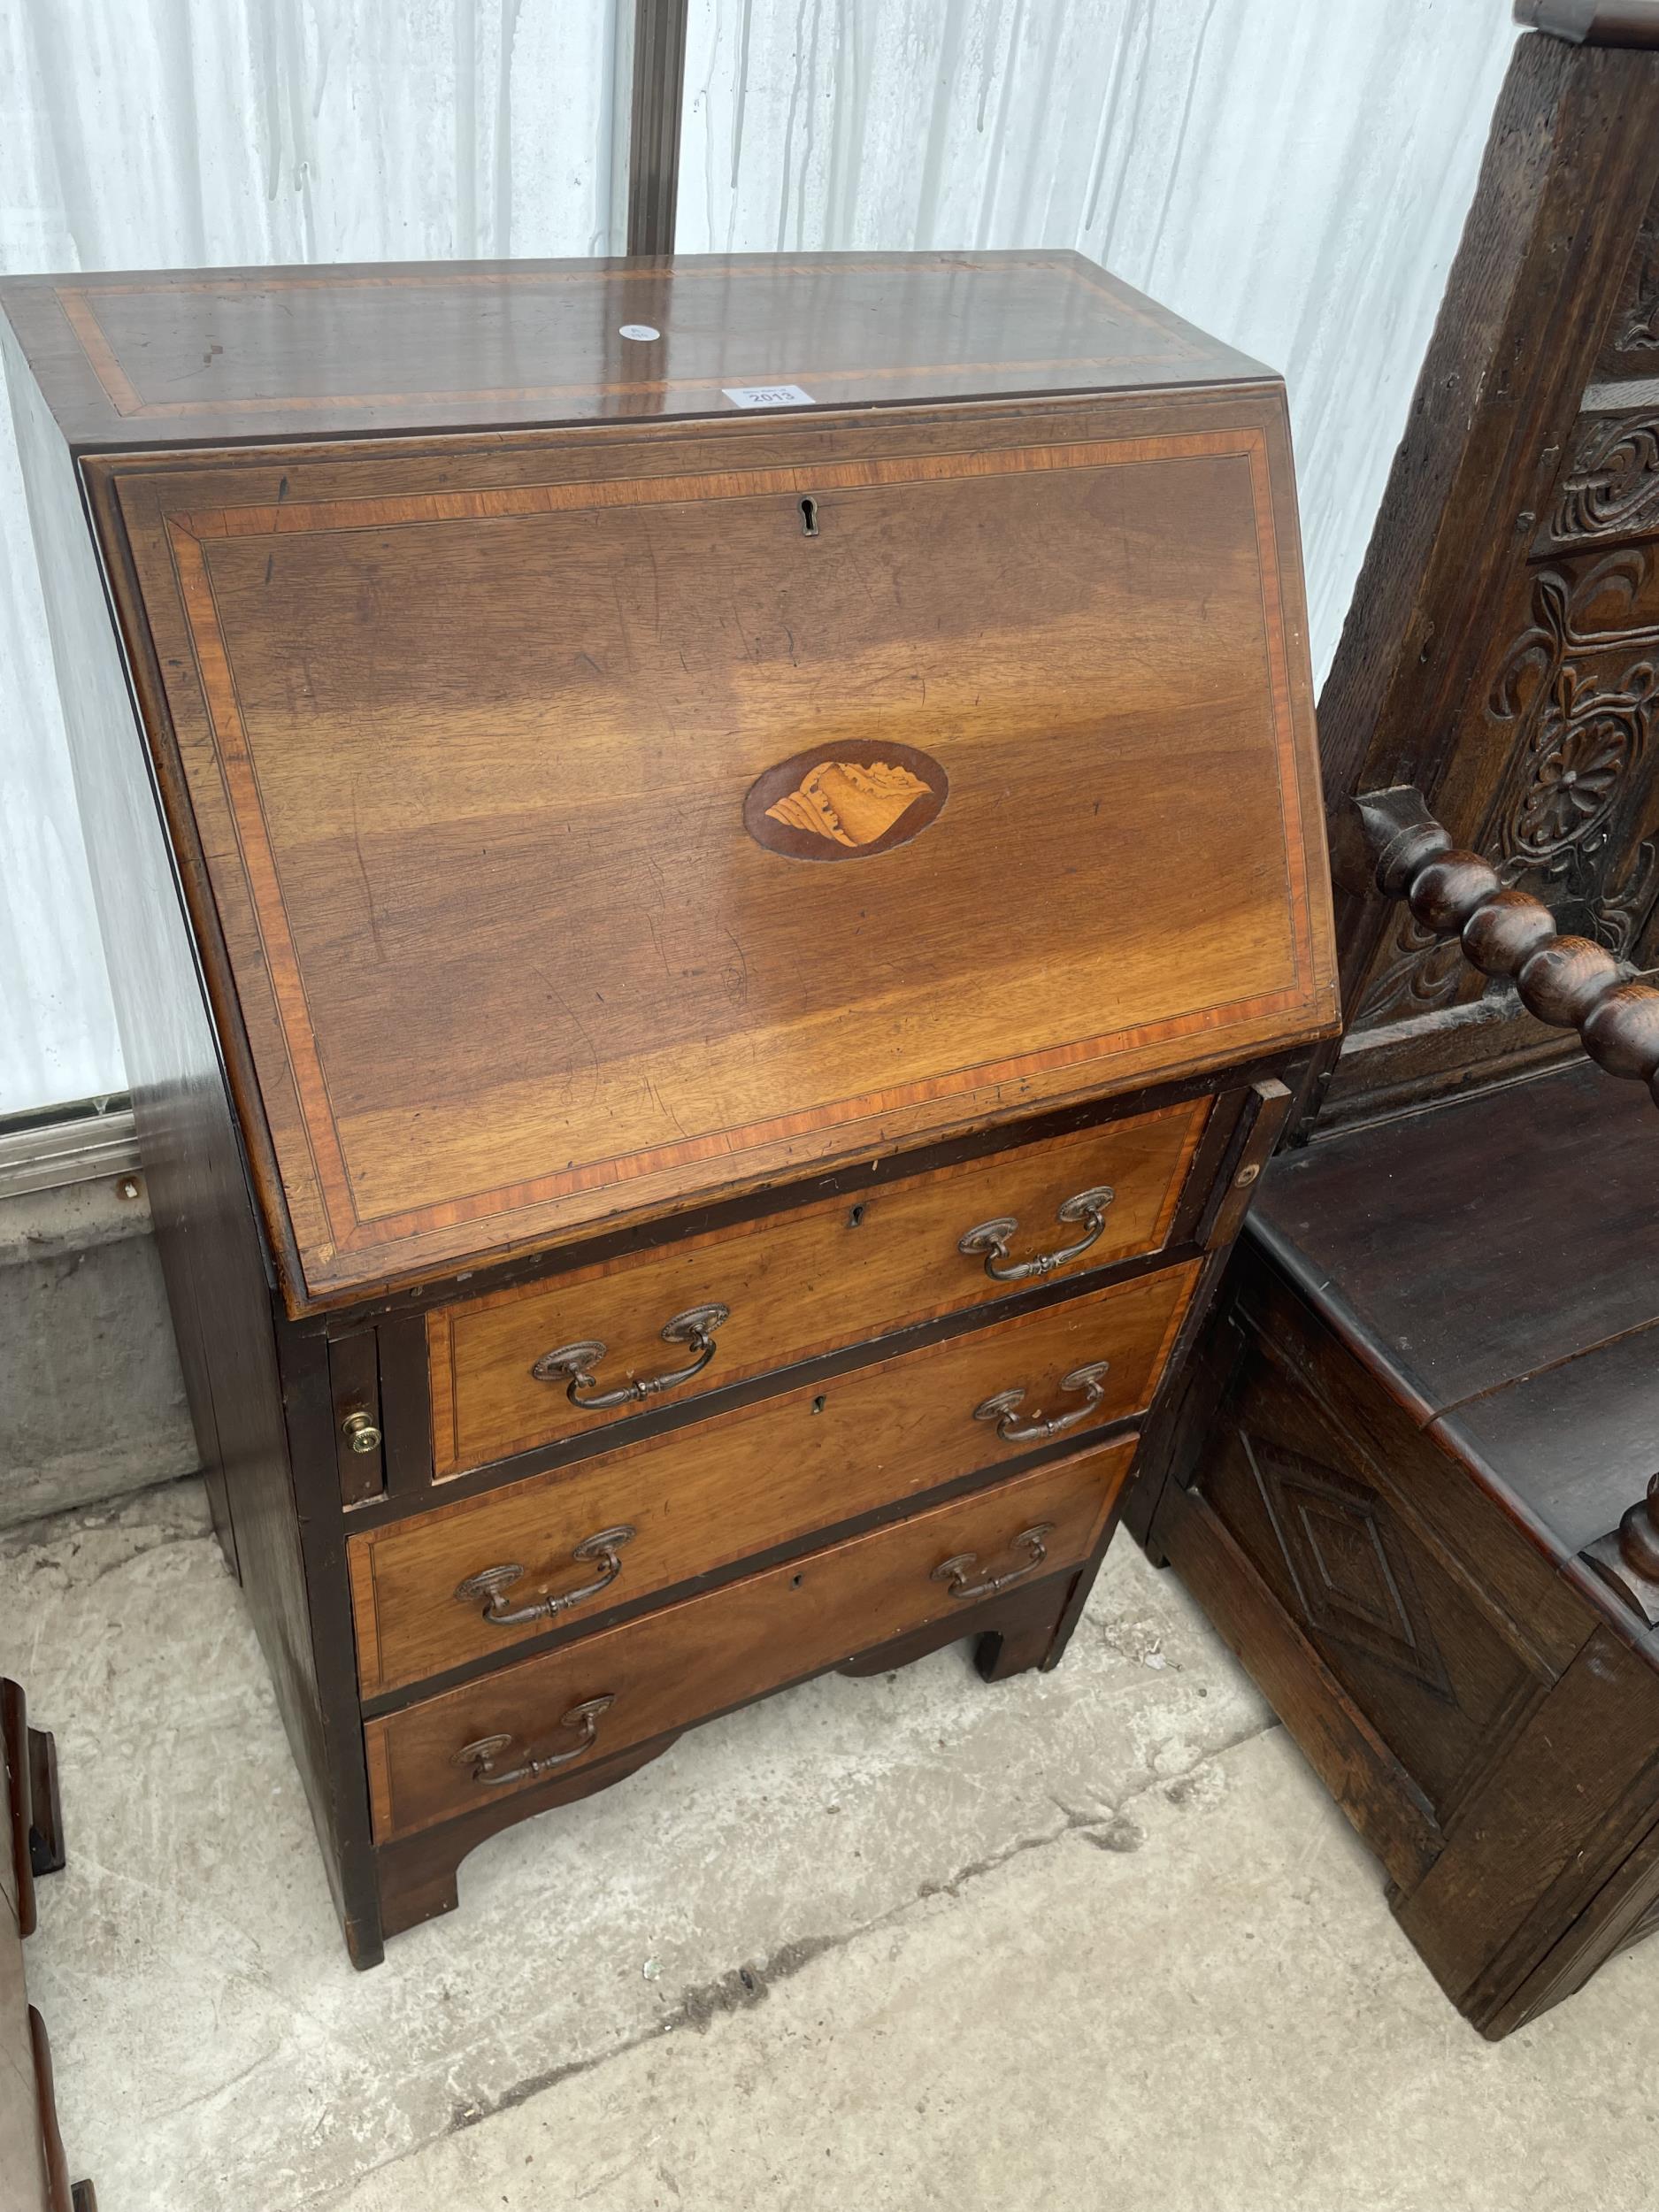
798	1284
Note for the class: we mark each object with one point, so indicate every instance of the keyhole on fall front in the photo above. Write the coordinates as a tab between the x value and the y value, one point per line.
808	518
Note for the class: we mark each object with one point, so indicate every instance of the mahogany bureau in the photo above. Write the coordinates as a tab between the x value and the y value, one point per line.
714	878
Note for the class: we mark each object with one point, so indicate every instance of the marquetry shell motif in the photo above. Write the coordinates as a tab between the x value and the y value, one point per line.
845	803
853	805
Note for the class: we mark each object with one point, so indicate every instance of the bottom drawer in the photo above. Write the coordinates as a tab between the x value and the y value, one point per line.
511	1729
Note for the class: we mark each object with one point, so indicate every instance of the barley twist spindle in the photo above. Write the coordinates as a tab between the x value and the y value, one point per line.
1566	981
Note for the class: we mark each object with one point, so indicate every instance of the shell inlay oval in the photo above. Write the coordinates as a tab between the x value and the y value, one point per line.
845	801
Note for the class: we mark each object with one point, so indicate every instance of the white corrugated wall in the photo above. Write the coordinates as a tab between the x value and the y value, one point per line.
1292	174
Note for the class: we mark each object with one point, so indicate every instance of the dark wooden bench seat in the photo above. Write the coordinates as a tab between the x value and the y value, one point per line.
1498	1265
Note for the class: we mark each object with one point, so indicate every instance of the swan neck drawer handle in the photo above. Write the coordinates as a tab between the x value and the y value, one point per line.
492	1583
480	1757
1003	1408
573	1365
991	1238
956	1571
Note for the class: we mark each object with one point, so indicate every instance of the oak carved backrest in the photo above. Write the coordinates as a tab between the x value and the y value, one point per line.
1502	655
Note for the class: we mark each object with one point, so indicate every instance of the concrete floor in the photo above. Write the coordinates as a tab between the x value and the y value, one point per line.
1089	1940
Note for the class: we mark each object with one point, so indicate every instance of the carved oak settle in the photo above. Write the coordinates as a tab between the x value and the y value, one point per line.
1409	1475
714	875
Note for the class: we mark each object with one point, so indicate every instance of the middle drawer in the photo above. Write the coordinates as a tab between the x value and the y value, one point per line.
658	1512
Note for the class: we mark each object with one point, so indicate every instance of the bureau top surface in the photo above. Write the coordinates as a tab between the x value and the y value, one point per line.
147	360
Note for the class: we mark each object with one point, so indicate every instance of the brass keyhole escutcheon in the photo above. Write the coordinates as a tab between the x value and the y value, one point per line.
360	1432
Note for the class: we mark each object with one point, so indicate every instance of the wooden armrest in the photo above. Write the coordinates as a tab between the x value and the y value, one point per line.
1567	981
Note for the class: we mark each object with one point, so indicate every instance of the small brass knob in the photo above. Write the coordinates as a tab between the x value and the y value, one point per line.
360	1432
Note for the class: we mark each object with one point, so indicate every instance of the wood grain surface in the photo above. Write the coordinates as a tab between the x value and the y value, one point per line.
696	1659
797	1284
1509	597
1579	1441
465	894
468	752
183	356
704	1496
1470	1249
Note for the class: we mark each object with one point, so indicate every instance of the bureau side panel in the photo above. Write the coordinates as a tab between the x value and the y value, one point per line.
216	1273
145	944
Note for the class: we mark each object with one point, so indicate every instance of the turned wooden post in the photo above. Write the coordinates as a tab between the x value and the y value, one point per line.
1567	981
1629	1557
1638	1535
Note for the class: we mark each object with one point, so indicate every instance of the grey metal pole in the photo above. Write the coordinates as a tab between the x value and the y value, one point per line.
659	81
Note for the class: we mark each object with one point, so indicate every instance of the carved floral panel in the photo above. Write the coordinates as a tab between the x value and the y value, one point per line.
1609	486
1569	714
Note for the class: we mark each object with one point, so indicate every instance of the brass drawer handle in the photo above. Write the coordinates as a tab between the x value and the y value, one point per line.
991	1238
1091	1380
492	1583
573	1365
956	1570
482	1757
